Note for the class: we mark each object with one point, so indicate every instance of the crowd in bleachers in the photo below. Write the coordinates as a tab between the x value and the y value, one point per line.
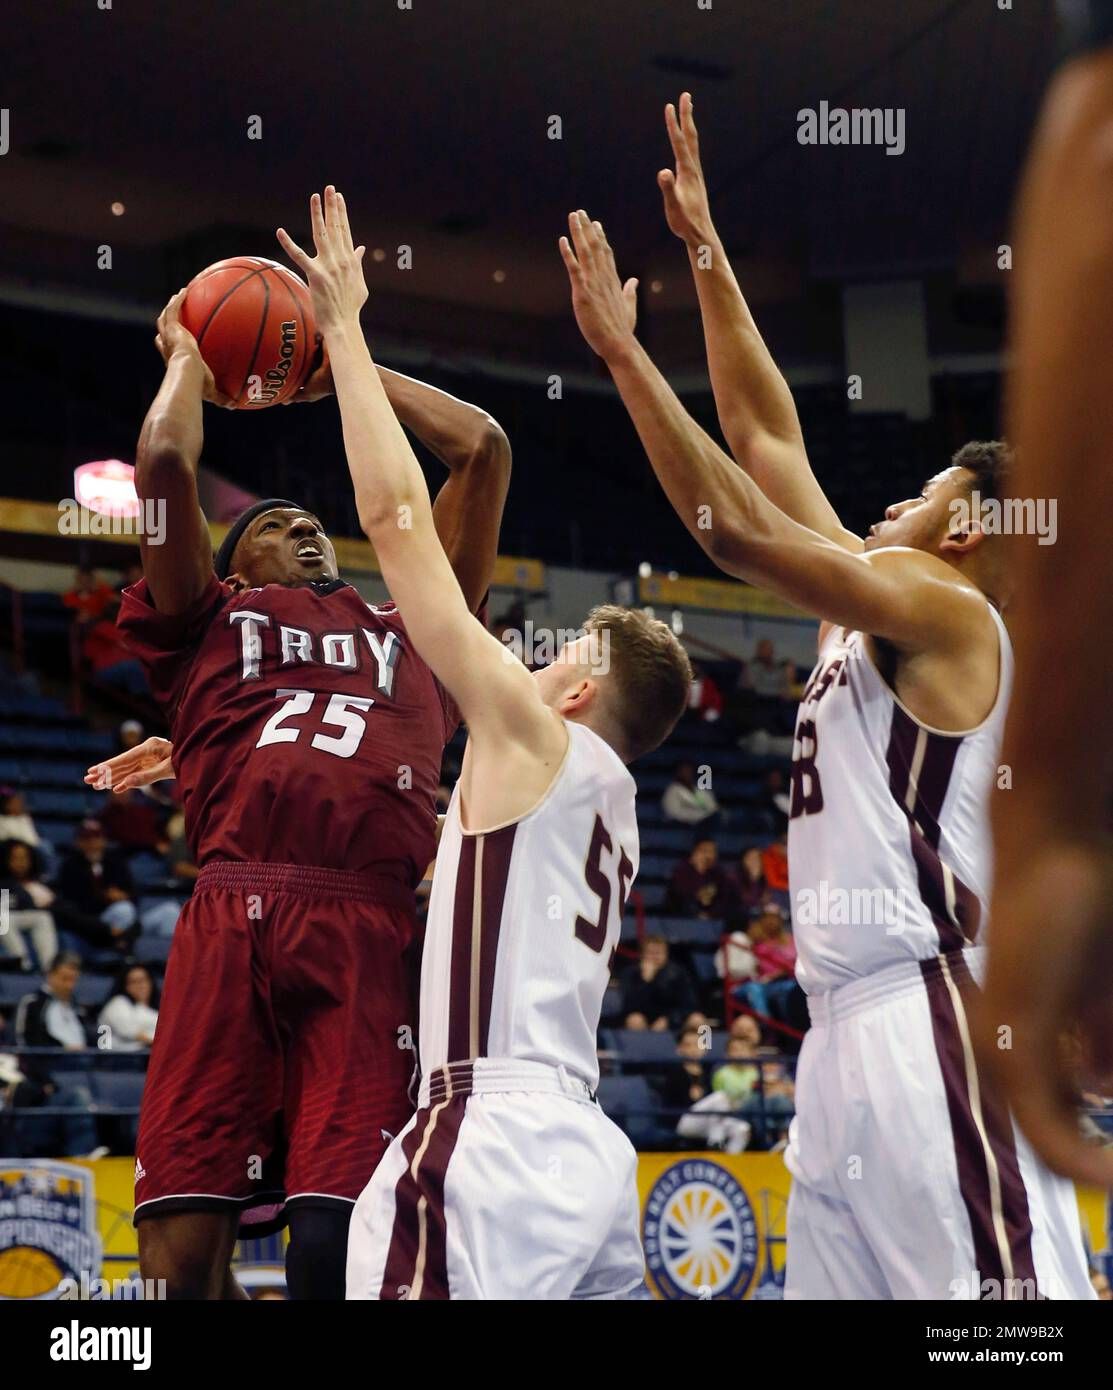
699	1026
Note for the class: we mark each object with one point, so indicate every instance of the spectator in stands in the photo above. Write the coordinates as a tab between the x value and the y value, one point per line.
750	886
746	1027
737	1078
15	820
768	1106
765	699
687	803
29	902
735	961
775	953
130	734
179	859
50	1018
686	1091
774	863
657	993
705	700
90	598
16	824
131	1012
108	657
95	893
132	820
700	886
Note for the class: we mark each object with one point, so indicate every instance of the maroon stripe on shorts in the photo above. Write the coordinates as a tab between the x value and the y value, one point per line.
414	1271
459	987
1002	1140
970	1151
402	1253
498	848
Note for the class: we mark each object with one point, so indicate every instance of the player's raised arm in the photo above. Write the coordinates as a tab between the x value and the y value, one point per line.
467	511
492	689
910	598
166	460
468	508
755	406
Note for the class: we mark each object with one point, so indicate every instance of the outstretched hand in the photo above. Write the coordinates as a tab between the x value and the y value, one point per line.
335	276
687	210
606	309
147	762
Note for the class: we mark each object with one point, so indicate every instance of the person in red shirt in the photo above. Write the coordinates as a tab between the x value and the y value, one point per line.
307	740
89	598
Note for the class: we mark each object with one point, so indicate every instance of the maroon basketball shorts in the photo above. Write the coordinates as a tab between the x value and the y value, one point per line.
283	1053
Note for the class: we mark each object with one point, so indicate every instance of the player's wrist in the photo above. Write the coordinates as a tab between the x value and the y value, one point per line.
345	335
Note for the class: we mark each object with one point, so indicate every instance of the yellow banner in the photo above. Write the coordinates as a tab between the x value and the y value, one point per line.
50	519
716	595
713	1226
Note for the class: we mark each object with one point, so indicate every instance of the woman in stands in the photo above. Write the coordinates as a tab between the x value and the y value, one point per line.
29	919
131	1011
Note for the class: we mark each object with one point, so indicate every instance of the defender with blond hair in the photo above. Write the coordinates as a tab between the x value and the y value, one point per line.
509	1182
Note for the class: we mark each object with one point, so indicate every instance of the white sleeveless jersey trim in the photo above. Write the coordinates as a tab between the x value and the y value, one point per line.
524	920
890	856
999	700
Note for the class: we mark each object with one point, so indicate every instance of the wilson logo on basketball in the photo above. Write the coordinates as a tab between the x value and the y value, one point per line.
275	378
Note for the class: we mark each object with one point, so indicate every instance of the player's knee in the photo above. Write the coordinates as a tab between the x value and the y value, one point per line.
189	1270
317	1255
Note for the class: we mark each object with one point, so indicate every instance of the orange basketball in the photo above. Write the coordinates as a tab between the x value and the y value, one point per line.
253	321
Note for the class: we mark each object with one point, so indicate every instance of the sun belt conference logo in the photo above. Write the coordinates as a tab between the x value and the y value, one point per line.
48	1227
699	1232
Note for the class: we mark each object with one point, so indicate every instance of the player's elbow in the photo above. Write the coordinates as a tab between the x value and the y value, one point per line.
160	463
491	451
733	547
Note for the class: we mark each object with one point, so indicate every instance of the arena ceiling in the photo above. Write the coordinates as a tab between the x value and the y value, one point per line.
434	119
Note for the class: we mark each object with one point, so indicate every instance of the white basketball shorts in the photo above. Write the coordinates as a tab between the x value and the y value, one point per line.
508	1183
910	1180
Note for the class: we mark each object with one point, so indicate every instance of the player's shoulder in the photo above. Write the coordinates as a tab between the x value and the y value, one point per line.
932	580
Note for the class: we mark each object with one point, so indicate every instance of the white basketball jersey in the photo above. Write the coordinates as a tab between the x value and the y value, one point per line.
524	920
889	848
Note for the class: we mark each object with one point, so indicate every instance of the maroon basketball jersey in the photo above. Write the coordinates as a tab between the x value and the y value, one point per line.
306	728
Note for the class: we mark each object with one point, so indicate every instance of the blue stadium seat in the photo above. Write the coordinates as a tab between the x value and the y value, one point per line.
152	950
642	1045
119	1089
14	985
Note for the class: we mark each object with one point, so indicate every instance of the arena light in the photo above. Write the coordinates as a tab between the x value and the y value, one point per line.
107	486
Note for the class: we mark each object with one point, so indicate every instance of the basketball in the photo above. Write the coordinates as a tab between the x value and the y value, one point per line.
253	321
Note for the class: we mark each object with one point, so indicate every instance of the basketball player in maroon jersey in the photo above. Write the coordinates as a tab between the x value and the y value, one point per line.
1051	955
308	738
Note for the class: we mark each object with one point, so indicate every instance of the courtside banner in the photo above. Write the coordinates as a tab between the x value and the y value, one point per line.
713	1224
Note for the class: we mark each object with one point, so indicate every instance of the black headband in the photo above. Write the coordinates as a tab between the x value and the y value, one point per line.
222	560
